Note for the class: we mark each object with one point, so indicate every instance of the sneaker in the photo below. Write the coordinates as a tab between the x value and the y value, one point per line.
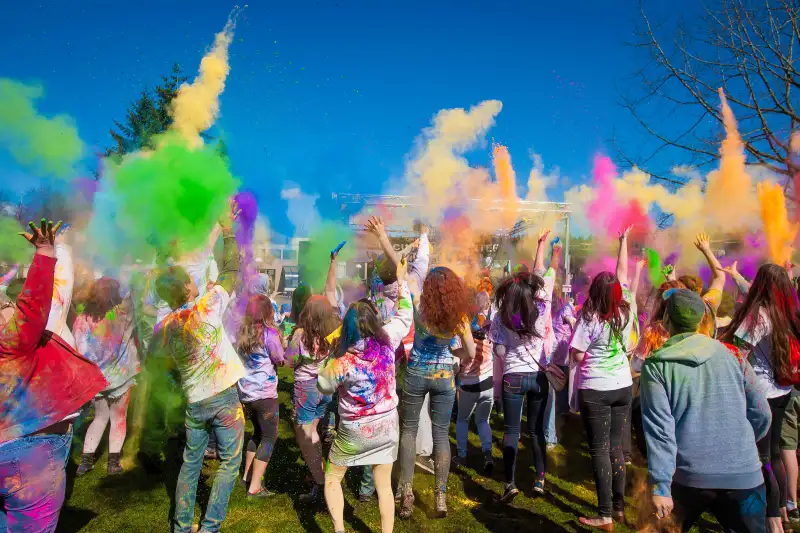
113	464
794	515
510	493
440	505
488	464
315	496
426	464
260	495
552	445
87	464
366	498
459	461
538	486
407	506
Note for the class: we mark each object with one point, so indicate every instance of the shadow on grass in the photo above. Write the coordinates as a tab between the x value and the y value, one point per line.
73	520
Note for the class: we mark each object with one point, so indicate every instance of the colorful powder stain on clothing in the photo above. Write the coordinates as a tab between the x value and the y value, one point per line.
780	233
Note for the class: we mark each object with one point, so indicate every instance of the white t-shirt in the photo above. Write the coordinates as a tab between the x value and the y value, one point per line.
201	267
761	341
196	339
605	365
522	354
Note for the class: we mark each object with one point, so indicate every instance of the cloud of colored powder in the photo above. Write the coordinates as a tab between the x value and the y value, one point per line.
13	248
196	106
779	232
48	146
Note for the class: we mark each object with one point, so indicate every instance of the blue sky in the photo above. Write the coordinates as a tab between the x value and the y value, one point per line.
330	95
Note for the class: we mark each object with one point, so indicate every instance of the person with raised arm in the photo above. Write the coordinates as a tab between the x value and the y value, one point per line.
194	336
604	336
47	382
362	372
518	333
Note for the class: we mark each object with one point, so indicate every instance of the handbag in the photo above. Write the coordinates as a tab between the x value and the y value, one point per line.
555	376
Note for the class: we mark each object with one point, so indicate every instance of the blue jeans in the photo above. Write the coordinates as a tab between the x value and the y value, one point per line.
550	436
739	511
516	387
441	386
32	482
479	403
367	485
223	415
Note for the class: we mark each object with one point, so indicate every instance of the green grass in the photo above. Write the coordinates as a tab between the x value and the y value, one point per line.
136	501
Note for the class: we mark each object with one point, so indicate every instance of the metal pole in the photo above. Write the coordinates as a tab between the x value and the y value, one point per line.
568	276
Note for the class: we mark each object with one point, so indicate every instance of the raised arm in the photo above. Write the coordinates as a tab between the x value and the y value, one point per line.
538	262
703	243
330	282
637	275
555	256
62	290
418	269
741	283
375	226
229	274
622	257
400	324
467	347
34	301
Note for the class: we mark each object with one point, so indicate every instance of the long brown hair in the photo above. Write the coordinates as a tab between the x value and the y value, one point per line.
259	315
104	295
444	302
318	320
772	291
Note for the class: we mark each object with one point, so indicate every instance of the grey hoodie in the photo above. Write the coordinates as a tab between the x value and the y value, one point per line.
703	413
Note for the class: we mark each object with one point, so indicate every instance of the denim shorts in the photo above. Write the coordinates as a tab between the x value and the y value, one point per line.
309	403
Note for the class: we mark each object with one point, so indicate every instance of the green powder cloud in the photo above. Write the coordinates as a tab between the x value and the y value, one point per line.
13	248
44	145
169	197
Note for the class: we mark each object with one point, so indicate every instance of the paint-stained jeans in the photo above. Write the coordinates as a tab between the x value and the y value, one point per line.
604	413
737	511
223	415
442	388
517	387
32	482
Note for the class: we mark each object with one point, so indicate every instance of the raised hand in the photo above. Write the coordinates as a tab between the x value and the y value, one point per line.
641	263
375	226
733	269
624	233
43	236
702	242
229	215
543	235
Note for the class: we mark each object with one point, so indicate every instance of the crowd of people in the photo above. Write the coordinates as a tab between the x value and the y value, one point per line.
702	379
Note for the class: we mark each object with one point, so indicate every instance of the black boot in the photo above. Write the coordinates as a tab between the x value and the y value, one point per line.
87	464
113	464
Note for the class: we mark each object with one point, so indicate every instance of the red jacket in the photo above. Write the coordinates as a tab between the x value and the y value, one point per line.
42	379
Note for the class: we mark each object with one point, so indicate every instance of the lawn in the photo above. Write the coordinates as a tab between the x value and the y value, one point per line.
136	501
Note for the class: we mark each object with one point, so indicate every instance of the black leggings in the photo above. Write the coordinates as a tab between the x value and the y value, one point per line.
769	449
604	414
264	415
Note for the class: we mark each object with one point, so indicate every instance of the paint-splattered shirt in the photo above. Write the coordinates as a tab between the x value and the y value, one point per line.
306	364
365	375
605	365
195	337
756	333
522	355
563	324
261	381
62	295
109	344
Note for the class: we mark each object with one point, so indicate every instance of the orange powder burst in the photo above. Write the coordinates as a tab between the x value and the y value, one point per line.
780	233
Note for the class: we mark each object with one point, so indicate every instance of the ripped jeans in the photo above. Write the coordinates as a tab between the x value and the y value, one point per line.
221	414
441	386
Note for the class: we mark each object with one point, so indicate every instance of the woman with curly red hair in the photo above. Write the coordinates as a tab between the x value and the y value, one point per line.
441	322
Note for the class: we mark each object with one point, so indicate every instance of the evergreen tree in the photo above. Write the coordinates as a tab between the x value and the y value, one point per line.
148	116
